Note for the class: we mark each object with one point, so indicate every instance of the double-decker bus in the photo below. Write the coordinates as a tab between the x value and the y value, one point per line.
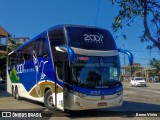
69	67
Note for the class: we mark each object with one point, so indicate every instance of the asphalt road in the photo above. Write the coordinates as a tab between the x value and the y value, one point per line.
138	102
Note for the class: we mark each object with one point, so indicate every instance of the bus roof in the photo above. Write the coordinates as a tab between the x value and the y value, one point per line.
61	26
72	25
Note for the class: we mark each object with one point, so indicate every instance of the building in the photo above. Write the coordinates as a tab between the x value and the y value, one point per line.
20	40
3	51
3	40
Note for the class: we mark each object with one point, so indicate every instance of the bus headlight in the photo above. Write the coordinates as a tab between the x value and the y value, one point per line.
79	94
119	92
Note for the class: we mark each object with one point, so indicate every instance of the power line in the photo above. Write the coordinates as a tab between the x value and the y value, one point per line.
97	12
144	51
140	58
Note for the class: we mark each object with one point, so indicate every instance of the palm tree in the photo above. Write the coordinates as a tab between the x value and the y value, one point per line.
156	65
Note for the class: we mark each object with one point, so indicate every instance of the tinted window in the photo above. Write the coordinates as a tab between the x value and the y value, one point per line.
138	78
59	69
90	38
19	56
12	59
56	38
95	71
39	46
16	57
27	52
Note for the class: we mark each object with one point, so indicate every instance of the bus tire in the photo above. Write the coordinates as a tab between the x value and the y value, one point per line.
17	94
48	100
13	92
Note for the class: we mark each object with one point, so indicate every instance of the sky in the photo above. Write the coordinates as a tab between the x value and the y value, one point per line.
28	18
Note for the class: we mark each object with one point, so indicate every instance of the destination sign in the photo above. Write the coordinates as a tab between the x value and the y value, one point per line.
93	38
90	38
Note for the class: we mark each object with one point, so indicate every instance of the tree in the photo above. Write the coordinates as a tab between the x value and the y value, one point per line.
156	65
130	9
3	65
135	68
13	45
3	57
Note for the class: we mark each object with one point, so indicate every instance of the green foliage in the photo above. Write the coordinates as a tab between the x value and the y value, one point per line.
3	61
130	9
156	65
13	76
134	68
3	57
13	46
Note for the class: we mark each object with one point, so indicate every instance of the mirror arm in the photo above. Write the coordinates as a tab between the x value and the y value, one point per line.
69	50
130	56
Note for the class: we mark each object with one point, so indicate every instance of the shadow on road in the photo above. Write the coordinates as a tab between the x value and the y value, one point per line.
34	102
139	106
129	109
2	87
3	92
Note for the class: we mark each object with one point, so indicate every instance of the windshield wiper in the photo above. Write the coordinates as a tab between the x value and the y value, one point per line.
85	85
112	83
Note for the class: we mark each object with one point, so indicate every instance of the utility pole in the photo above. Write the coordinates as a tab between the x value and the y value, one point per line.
124	77
124	61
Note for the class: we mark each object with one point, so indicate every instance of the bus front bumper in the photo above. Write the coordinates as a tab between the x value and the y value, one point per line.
78	103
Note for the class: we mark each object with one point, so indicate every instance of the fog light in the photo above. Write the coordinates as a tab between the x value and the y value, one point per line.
79	104
79	94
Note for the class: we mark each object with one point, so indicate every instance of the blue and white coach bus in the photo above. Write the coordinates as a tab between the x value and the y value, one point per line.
69	67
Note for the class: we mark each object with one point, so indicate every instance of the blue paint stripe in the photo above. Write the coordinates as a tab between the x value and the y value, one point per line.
98	91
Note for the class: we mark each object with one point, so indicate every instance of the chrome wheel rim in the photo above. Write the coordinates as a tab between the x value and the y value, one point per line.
50	100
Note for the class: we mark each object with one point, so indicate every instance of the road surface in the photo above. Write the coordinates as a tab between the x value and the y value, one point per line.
138	102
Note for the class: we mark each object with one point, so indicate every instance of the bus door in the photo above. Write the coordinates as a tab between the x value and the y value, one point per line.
60	73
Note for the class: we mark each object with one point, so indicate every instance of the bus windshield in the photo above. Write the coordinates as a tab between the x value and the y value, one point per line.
96	72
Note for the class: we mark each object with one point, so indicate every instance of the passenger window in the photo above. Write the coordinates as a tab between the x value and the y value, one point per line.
57	38
59	69
12	59
19	54
42	47
27	52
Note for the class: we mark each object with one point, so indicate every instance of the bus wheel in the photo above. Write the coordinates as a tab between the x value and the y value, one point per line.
13	92
17	94
48	100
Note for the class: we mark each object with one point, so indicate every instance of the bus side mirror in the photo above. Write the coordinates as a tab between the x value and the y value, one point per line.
69	50
130	56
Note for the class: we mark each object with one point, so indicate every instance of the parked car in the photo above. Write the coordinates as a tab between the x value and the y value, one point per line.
138	81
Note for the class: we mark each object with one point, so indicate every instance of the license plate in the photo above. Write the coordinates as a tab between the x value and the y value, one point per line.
102	104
